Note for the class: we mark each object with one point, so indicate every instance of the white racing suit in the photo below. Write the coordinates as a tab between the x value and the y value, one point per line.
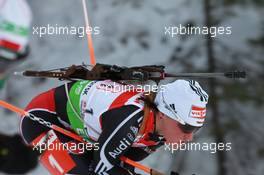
100	111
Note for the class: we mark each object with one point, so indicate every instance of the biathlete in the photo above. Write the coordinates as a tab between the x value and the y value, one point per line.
122	123
14	35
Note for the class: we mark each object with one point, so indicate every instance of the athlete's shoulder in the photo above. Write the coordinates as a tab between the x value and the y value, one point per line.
131	114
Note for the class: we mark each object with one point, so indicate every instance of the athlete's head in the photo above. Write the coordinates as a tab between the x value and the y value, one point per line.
182	110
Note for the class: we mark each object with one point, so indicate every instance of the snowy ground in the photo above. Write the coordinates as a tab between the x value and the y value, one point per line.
117	19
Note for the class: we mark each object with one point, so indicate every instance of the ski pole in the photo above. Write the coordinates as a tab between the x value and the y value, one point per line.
23	113
39	120
88	34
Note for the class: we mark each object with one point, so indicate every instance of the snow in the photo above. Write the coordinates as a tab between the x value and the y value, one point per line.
118	19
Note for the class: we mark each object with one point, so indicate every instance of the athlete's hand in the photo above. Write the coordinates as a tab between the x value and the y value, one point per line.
154	172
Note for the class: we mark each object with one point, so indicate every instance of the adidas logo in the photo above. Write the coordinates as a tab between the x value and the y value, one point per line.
172	106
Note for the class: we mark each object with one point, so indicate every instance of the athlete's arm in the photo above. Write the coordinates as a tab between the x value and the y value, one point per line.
116	139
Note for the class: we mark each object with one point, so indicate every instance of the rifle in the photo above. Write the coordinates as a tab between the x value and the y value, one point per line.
154	73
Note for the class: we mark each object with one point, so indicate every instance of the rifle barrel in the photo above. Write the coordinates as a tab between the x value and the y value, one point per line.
233	74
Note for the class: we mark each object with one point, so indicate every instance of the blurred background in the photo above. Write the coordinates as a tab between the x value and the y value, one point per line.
132	32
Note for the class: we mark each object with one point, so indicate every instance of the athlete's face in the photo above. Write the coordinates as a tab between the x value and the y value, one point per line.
172	130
